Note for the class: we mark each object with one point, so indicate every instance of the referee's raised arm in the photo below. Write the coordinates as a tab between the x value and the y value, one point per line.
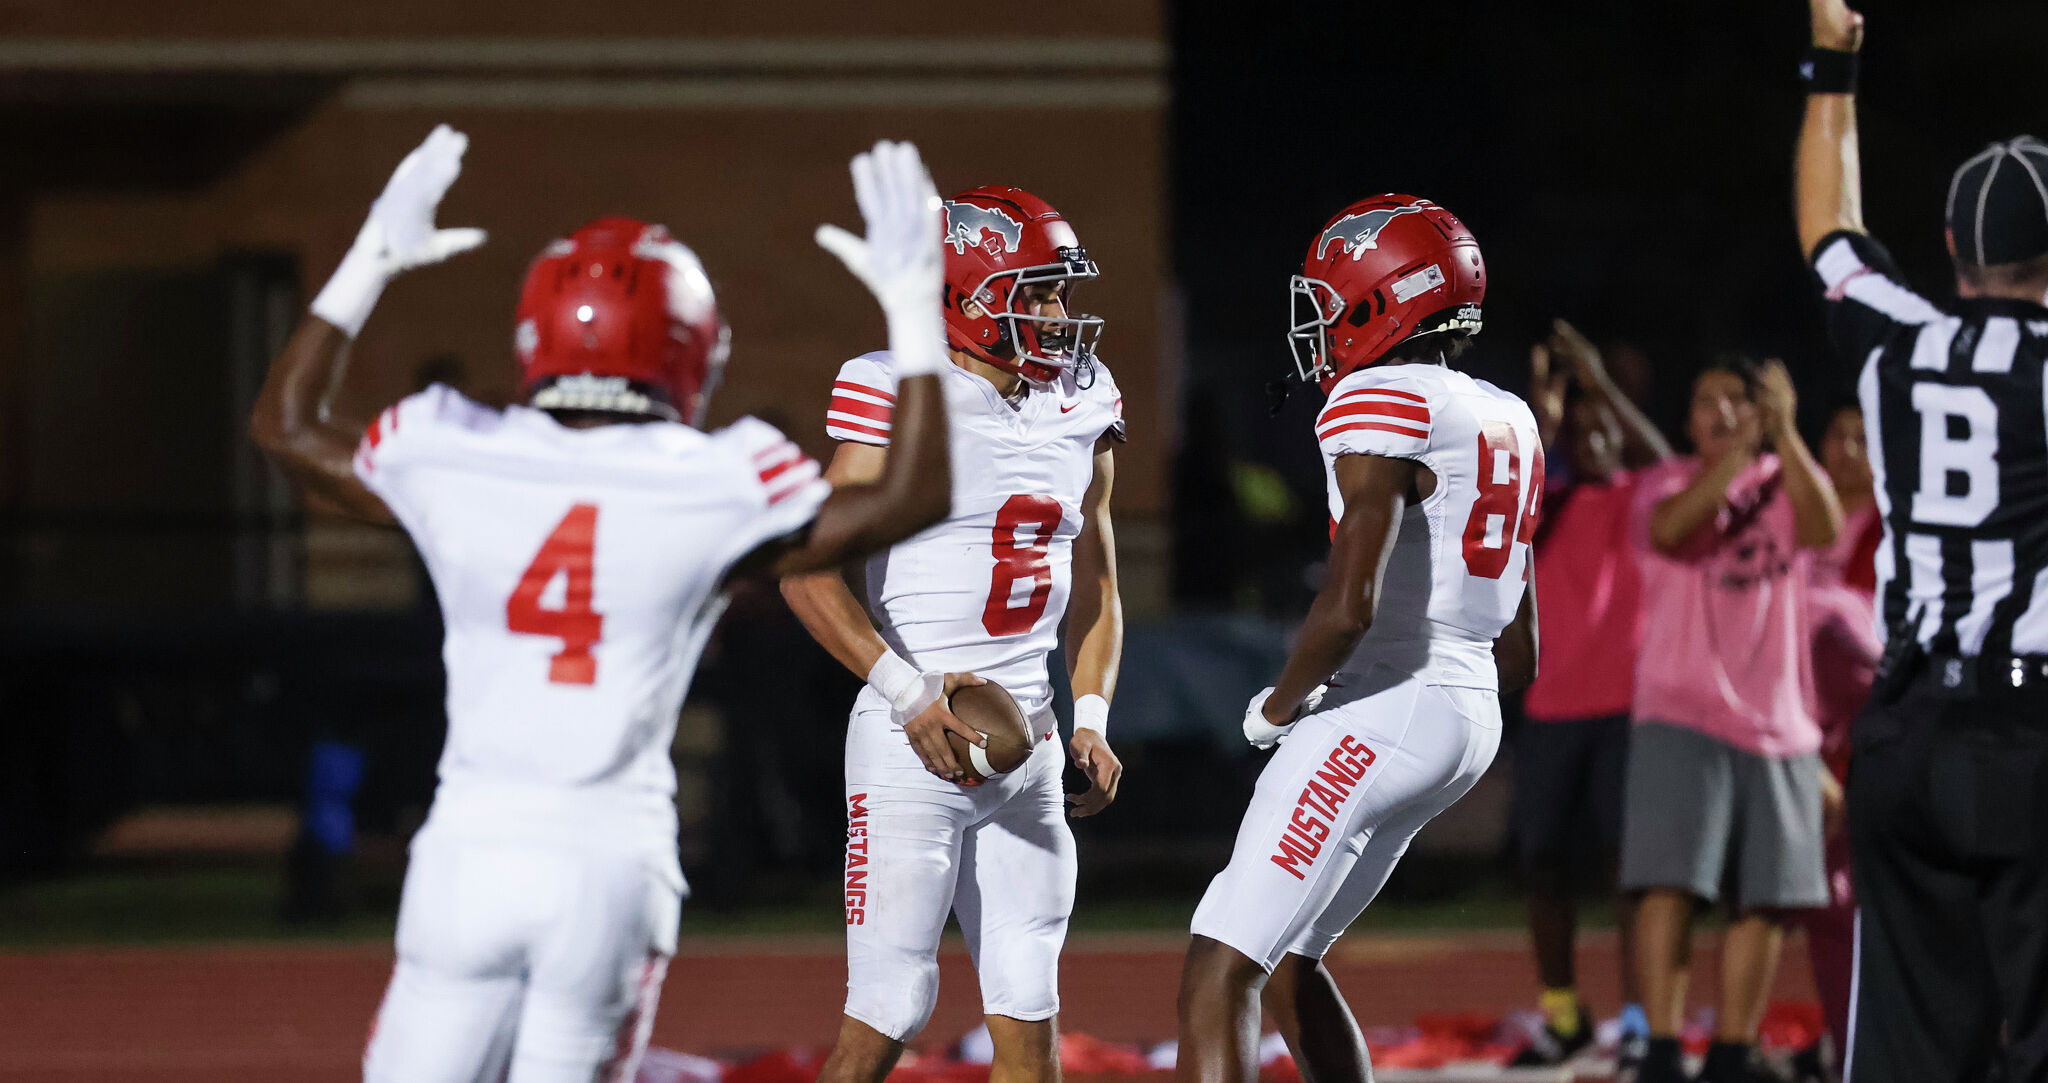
1828	179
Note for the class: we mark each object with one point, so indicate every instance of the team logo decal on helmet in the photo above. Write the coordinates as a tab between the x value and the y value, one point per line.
1360	233
1383	271
1011	266
967	224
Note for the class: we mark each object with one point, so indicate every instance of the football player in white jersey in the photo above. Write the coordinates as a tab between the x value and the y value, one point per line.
981	596
1388	703
580	544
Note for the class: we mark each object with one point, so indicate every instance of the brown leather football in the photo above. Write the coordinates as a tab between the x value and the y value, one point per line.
990	709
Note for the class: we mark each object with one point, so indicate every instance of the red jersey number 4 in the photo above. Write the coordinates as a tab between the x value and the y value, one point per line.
1499	516
568	553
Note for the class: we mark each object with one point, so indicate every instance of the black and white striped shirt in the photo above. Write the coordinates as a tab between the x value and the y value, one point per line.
1954	410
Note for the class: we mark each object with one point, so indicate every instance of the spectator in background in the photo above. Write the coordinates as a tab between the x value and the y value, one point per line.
1570	752
1725	784
1842	584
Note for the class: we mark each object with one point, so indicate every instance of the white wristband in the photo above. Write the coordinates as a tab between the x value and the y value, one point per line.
1091	712
908	690
917	339
349	296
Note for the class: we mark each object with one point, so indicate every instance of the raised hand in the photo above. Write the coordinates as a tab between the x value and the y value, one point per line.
400	233
1777	402
1579	352
402	218
1835	26
901	260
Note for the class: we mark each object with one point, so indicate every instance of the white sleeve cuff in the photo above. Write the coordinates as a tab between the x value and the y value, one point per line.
349	296
917	339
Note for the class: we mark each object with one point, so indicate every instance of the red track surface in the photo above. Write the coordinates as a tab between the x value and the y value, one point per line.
299	1012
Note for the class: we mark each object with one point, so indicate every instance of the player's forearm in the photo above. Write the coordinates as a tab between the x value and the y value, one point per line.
1097	610
1816	510
1343	611
1328	636
1829	185
913	490
288	422
828	610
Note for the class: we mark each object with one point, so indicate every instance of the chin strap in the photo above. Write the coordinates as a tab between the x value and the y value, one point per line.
1277	391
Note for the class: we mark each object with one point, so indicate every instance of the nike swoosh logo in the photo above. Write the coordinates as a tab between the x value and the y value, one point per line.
1068	409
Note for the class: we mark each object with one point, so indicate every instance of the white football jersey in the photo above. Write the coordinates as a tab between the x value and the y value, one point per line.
579	574
984	591
1461	559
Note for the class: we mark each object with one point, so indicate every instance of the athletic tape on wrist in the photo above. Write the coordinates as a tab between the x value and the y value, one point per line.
1828	71
894	678
1091	712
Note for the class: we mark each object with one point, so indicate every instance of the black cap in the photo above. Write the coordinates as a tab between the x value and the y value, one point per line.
1998	204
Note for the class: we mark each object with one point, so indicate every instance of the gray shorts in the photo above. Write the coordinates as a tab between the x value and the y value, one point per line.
1699	814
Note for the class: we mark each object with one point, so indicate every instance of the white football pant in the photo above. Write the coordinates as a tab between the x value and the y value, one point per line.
999	855
539	961
1337	806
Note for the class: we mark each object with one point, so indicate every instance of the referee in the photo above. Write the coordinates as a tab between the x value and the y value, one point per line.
1948	783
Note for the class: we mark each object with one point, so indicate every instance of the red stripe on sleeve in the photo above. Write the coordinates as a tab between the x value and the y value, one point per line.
775	453
1380	426
783	467
1373	406
844	385
1389	392
846	404
849	426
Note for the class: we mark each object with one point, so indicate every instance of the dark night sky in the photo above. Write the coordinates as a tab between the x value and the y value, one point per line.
1627	166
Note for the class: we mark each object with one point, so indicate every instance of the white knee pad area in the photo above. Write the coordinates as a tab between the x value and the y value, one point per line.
892	989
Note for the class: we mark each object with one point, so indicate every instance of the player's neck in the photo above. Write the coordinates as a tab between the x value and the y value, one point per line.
1007	384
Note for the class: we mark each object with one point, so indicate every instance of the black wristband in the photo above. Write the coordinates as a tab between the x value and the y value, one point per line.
1828	71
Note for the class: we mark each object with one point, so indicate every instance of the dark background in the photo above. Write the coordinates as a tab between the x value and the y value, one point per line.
1625	166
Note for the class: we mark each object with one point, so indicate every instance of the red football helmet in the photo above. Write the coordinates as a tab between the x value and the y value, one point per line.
618	316
1384	270
999	241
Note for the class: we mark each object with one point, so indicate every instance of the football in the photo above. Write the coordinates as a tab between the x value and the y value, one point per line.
990	709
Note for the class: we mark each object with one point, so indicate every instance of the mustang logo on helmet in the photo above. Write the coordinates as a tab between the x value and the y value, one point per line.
1359	232
966	222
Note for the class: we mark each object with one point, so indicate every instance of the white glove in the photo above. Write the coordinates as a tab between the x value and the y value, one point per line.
1264	734
908	690
901	260
400	233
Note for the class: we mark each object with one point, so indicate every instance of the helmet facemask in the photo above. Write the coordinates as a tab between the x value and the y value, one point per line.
1041	347
1313	306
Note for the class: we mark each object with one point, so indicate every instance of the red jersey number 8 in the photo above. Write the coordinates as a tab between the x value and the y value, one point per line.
1023	516
1499	518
